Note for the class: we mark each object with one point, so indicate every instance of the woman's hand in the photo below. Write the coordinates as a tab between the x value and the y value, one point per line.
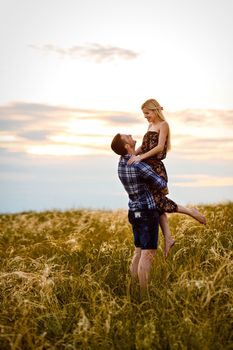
134	159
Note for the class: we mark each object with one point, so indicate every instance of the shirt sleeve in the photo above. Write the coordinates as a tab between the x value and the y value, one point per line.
149	175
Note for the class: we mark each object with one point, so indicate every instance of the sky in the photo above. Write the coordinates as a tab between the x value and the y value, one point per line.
74	73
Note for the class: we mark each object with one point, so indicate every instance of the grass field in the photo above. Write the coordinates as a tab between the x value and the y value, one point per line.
64	283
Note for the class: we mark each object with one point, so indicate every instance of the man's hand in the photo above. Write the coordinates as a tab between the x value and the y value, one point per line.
134	159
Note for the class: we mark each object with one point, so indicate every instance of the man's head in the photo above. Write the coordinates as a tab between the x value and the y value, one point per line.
123	144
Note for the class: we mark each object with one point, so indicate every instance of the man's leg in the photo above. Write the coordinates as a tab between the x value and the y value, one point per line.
145	225
144	267
134	264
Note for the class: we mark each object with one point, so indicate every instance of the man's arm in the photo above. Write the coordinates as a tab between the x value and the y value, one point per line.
149	175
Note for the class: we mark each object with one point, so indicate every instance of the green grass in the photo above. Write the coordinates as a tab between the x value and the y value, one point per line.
65	284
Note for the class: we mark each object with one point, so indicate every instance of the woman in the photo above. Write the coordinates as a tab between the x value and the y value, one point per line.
155	144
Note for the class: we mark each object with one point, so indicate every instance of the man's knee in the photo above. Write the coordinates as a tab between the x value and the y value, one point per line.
137	252
147	255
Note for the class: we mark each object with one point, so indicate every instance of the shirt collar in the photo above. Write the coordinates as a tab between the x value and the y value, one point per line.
127	156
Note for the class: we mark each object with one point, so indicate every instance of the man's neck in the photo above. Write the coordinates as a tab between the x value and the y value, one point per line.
131	152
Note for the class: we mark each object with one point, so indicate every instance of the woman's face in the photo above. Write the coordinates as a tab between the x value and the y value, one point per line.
149	114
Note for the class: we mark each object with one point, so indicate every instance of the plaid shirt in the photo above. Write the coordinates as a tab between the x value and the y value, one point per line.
135	179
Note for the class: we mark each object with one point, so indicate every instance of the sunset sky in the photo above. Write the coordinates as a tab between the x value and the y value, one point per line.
74	73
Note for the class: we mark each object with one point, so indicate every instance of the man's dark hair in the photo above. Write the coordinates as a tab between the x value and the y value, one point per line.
118	145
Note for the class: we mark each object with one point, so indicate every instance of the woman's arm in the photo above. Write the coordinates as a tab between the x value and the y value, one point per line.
164	129
138	150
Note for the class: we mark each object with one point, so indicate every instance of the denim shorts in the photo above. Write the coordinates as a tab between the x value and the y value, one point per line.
145	225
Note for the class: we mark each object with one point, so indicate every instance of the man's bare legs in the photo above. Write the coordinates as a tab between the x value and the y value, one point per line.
141	266
193	212
169	241
144	267
134	264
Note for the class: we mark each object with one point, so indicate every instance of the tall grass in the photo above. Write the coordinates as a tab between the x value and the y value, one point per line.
64	283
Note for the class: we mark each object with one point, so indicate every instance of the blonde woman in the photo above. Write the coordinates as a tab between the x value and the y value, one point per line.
155	144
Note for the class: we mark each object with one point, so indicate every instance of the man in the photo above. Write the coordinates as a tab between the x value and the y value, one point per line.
142	214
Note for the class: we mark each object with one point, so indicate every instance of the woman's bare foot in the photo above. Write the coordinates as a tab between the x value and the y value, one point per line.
169	243
198	216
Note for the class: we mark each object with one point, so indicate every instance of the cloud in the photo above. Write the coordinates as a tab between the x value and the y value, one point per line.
29	119
201	180
39	128
34	135
25	109
200	117
93	51
24	112
202	134
211	147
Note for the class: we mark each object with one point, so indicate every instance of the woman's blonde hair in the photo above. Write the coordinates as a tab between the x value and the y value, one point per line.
153	105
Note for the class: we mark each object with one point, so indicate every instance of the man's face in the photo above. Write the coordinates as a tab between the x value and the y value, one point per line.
128	140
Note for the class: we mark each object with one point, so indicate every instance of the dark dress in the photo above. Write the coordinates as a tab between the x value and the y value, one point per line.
150	140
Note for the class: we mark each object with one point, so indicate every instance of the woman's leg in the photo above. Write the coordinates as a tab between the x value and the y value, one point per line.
169	241
193	212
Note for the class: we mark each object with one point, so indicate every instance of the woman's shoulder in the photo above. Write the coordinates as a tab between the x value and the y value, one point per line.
164	122
164	125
